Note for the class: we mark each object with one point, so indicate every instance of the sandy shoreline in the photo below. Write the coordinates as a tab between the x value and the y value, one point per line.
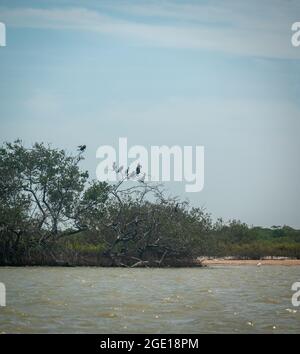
258	262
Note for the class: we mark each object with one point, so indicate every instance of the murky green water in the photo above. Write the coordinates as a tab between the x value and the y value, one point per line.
103	300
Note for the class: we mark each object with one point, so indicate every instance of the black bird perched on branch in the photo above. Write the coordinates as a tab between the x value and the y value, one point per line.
81	148
138	169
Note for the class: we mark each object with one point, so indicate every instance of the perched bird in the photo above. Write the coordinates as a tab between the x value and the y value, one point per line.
127	172
81	148
176	207
138	169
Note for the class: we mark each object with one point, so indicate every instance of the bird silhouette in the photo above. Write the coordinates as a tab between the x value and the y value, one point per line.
138	169
81	148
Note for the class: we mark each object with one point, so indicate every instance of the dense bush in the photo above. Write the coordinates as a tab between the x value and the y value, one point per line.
50	213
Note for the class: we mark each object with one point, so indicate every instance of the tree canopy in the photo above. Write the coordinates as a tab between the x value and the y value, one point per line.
51	212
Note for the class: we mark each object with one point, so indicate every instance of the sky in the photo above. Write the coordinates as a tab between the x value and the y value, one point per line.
223	75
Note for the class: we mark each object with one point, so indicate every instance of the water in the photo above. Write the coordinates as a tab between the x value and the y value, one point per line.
240	299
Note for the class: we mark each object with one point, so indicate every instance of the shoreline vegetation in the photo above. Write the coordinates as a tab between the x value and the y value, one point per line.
53	214
276	261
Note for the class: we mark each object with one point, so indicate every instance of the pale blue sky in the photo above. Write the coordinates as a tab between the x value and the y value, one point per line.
213	73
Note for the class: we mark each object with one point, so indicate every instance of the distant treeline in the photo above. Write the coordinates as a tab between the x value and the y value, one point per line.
51	213
240	241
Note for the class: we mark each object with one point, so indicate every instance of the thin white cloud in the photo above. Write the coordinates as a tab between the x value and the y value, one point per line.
272	14
200	27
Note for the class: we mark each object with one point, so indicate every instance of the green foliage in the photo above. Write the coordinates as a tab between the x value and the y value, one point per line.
43	196
256	242
51	213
